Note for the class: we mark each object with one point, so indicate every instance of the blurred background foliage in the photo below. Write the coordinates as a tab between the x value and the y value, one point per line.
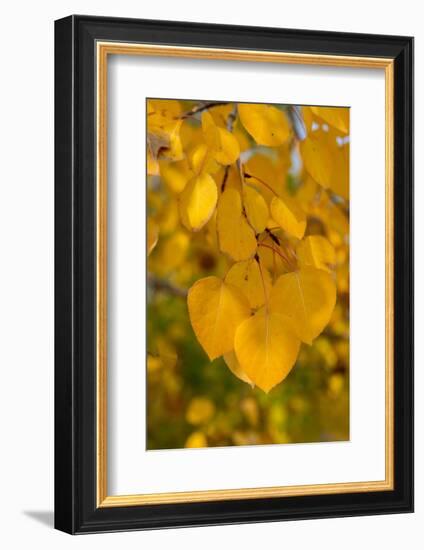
192	402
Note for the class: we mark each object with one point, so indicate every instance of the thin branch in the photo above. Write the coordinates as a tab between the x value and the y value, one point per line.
232	118
162	285
224	179
272	236
297	122
263	283
203	107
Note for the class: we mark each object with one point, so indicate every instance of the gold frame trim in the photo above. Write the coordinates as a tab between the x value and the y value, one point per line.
119	48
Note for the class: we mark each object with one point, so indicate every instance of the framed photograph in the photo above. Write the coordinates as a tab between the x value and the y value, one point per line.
234	274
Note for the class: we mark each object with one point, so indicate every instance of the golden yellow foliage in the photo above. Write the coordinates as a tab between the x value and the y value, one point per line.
232	363
216	309
289	216
266	348
337	117
247	276
223	145
236	237
256	209
307	298
164	124
265	123
198	201
316	251
175	175
253	220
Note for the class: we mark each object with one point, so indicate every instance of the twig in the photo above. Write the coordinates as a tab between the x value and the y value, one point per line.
162	285
297	123
232	118
203	107
224	179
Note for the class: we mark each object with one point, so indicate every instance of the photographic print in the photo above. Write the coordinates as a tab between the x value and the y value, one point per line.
248	274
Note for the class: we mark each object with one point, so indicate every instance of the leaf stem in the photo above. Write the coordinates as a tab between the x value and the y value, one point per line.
224	179
263	283
249	176
282	256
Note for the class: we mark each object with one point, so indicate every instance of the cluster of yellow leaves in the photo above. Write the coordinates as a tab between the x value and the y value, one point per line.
227	167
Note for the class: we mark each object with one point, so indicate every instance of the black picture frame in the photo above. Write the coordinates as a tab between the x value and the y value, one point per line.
75	275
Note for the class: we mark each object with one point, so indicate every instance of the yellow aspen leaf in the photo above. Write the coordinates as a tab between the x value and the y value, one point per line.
152	235
216	309
327	161
235	235
337	219
162	112
208	124
200	410
307	191
265	123
307	298
256	208
308	117
228	149
222	143
316	251
164	126
266	348
234	366
338	117
201	160
175	149
166	143
190	134
264	176
339	180
220	113
283	161
317	157
198	201
289	216
241	136
331	214
175	175
247	277
196	440
233	179
270	258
